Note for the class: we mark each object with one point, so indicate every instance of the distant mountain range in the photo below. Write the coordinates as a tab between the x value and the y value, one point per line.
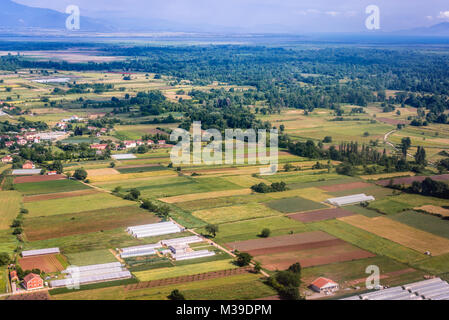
16	16
441	29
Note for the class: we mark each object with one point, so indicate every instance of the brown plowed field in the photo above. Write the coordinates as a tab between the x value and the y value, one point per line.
296	247
39	178
319	215
60	195
313	257
46	263
275	242
345	186
42	295
191	278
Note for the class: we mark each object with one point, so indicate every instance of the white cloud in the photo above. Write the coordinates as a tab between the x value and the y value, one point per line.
444	15
429	18
332	13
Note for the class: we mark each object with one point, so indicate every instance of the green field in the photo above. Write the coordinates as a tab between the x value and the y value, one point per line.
222	202
91	257
9	207
184	270
3	279
368	241
66	185
74	204
250	229
296	204
423	221
234	213
107	239
54	226
435	265
141	169
245	286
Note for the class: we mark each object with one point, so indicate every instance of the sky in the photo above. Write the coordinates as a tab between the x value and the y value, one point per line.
298	16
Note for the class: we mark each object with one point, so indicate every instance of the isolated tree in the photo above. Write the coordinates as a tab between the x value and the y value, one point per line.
295	268
112	165
212	229
80	174
405	145
243	259
265	233
176	295
288	167
257	267
420	156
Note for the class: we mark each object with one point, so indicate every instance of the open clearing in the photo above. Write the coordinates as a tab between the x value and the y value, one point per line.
296	204
91	257
319	215
206	195
74	204
46	263
234	213
47	227
398	232
9	207
66	185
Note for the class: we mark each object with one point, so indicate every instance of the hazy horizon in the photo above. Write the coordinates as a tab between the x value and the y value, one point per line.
304	16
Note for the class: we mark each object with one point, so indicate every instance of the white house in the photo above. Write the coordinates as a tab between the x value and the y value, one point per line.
324	285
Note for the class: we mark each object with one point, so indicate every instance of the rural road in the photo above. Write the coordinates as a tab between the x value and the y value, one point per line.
396	149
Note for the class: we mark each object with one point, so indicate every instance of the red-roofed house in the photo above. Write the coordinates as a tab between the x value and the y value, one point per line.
22	142
9	143
6	159
28	165
324	285
129	144
99	146
32	281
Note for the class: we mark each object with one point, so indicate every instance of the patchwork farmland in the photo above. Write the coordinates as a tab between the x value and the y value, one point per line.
106	195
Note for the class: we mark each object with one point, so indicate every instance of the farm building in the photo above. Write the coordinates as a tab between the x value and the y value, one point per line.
38	252
28	165
99	146
155	229
324	285
24	172
6	159
125	156
137	251
433	289
193	255
33	281
183	240
348	200
92	274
